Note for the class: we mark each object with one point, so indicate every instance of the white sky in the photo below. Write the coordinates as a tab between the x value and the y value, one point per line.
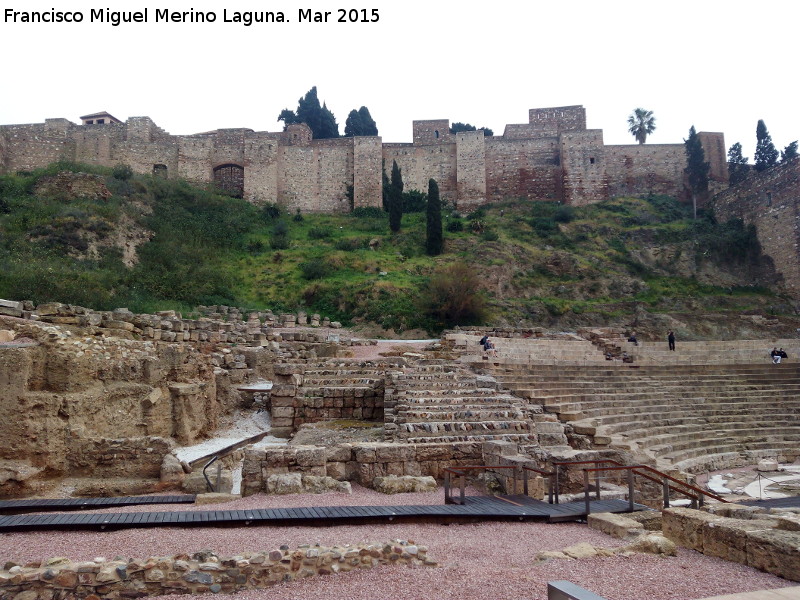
717	65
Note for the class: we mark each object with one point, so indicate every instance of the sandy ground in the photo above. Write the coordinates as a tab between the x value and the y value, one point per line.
492	560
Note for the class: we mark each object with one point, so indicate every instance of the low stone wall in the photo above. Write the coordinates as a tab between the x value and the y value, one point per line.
361	463
199	573
756	539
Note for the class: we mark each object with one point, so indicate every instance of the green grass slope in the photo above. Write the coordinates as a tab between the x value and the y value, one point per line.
157	244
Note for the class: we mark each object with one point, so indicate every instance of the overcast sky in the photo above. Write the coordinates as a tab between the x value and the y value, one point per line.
717	65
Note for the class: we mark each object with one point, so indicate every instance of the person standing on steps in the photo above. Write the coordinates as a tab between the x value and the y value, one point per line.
671	340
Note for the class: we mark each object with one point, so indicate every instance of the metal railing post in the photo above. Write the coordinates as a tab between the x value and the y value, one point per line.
447	487
557	470
665	486
525	481
597	482
630	490
586	496
463	485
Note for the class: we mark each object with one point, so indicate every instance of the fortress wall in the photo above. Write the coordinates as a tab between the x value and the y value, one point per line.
421	163
367	175
194	157
142	156
524	168
470	169
261	168
4	156
555	120
315	177
717	157
432	131
645	169
95	144
583	167
228	147
770	201
28	147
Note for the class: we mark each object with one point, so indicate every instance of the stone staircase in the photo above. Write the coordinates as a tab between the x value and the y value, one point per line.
693	418
342	389
444	402
565	349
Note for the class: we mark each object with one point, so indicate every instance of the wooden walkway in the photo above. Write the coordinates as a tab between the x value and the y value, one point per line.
477	508
59	504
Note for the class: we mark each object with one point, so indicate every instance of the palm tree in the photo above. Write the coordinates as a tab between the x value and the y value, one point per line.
641	124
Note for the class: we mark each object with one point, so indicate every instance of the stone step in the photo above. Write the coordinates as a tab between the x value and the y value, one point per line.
461	415
473	428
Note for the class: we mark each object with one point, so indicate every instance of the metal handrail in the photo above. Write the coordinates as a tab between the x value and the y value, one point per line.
460	472
696	499
211	488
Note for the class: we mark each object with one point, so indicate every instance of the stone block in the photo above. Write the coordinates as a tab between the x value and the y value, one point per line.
727	538
393	484
340	453
310	456
775	551
337	470
433	452
618	526
685	526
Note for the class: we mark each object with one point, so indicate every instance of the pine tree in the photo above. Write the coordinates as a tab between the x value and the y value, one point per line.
766	153
696	167
360	122
318	118
395	198
433	238
789	152
738	168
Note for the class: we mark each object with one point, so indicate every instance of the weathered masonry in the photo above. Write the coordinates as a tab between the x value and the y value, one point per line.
552	157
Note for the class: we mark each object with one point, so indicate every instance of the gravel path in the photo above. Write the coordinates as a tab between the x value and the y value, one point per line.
477	561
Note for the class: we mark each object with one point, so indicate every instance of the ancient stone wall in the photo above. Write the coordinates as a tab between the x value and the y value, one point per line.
367	171
771	201
361	462
645	169
548	158
419	163
583	165
202	572
524	168
748	536
470	169
553	121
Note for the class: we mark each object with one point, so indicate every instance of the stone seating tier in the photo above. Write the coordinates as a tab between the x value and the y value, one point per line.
725	412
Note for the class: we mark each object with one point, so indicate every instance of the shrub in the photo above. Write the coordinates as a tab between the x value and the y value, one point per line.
319	233
477	214
122	172
455	225
297	218
350	244
489	236
414	201
543	226
564	214
369	212
280	236
316	268
271	211
451	296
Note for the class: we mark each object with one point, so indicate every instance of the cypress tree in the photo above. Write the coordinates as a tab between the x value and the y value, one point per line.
395	198
433	238
737	164
766	152
696	167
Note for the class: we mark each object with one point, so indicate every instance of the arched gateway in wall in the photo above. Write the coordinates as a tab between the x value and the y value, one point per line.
230	178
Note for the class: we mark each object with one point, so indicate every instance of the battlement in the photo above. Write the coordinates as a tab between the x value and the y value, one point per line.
552	157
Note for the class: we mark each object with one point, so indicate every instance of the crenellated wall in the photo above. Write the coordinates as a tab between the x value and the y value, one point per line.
552	157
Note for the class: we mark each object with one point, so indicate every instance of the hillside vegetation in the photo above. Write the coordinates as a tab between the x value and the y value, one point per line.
149	244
